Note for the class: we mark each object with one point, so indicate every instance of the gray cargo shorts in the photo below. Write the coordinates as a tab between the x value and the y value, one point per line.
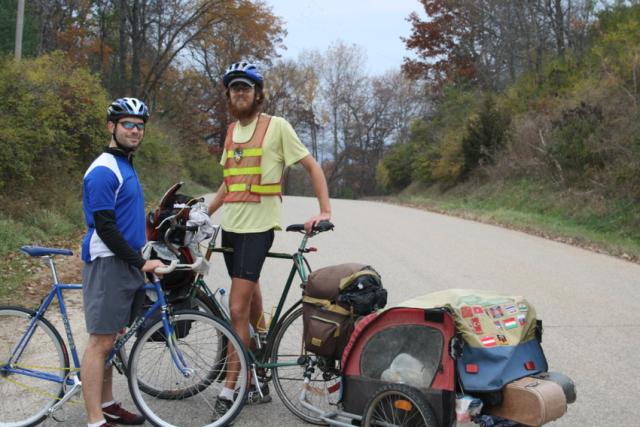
109	285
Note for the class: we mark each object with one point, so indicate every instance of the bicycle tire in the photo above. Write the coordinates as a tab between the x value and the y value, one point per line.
205	304
398	405
288	346
194	397
26	399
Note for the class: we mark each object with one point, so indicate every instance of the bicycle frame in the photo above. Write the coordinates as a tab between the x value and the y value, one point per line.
260	357
69	380
56	292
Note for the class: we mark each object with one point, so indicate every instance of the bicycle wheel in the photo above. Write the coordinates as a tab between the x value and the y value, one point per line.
203	304
397	405
25	399
322	391
152	367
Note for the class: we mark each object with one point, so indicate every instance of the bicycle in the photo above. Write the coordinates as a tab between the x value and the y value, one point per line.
280	349
187	347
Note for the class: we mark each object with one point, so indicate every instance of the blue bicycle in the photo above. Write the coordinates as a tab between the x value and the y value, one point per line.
175	370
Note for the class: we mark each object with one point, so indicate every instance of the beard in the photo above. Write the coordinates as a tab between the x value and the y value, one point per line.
245	112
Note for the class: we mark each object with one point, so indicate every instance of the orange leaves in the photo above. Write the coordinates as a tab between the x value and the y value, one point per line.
439	41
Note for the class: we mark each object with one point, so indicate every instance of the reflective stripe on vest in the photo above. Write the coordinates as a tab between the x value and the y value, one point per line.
256	188
257	170
247	152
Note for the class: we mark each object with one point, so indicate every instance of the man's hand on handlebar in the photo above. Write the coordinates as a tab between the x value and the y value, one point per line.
316	219
150	265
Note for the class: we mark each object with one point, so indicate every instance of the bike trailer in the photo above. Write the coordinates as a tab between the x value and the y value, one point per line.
500	334
402	345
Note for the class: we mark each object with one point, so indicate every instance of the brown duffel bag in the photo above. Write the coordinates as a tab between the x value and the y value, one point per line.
325	283
531	401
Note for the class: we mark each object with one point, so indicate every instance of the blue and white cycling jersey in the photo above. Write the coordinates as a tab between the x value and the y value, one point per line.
111	183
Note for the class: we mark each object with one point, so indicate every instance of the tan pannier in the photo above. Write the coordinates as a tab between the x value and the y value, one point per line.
327	329
531	401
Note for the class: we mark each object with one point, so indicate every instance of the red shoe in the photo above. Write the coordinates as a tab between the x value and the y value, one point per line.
116	414
107	425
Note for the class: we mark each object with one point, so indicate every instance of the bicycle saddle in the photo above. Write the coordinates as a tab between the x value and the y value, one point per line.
42	251
318	228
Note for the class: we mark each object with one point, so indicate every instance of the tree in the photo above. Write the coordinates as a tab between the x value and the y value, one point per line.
292	93
31	37
490	42
249	32
440	43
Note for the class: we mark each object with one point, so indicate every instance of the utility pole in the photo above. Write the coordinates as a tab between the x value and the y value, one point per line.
19	25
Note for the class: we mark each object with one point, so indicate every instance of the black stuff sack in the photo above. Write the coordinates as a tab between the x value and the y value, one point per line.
363	293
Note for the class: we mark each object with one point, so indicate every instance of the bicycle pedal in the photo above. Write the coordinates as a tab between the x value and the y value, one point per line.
262	375
254	398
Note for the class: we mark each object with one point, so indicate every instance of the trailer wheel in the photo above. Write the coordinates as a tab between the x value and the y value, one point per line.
398	405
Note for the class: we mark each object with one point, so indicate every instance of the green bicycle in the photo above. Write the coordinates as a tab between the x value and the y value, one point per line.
279	354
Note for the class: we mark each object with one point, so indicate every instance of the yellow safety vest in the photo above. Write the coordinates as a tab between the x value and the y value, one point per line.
242	171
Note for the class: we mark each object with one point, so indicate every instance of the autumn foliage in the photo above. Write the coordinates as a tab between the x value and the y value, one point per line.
439	42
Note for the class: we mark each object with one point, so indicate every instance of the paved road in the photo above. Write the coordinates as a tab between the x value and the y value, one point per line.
588	302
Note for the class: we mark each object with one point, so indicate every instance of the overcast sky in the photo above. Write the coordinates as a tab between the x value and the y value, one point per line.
375	25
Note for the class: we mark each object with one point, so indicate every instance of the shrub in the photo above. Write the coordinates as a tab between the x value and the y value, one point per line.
573	133
53	120
486	134
449	167
394	171
202	167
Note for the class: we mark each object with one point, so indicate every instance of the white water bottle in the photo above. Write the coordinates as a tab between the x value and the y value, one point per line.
223	300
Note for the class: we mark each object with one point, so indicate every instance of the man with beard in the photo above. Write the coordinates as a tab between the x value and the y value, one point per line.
114	212
257	149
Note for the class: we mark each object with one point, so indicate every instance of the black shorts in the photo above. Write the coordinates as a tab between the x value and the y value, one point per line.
249	253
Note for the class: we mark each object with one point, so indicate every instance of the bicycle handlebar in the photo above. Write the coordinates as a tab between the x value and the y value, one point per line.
175	266
168	269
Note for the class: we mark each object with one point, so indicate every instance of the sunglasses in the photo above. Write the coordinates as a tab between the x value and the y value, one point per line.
240	87
130	125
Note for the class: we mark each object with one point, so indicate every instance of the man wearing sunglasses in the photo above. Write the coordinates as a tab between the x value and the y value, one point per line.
113	207
257	149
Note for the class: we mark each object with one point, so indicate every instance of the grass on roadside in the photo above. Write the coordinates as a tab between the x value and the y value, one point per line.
583	219
21	273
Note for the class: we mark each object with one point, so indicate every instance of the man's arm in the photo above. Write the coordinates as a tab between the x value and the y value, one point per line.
218	199
319	184
105	222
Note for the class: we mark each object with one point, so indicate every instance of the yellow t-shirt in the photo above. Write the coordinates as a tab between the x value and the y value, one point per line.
281	148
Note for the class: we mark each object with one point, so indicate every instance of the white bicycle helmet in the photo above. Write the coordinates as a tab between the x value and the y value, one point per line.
127	107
